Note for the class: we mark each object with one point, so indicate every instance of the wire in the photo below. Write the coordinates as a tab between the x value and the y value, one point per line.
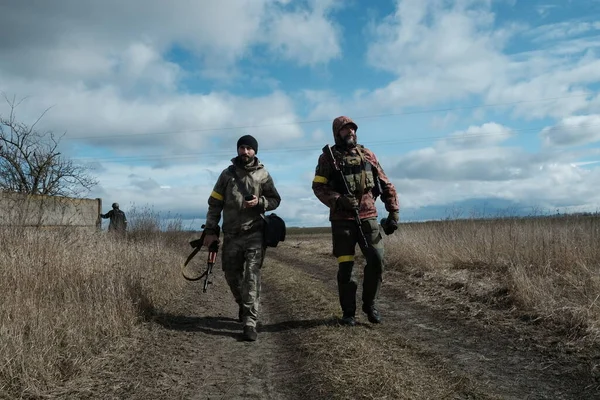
302	149
214	129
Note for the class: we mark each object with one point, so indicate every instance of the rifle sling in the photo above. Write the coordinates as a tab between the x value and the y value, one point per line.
242	188
363	174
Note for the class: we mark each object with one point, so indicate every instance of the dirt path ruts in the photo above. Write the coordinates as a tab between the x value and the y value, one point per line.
195	351
508	363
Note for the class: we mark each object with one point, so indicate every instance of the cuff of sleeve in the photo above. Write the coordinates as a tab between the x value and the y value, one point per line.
334	206
210	231
262	203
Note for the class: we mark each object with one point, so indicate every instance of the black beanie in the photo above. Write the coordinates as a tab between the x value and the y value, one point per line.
248	140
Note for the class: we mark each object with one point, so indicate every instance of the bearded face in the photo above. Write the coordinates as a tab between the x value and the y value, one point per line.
348	135
246	154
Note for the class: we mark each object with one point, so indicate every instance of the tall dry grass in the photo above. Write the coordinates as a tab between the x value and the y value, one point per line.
551	265
67	298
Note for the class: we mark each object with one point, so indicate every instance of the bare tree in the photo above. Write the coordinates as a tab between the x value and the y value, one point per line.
31	163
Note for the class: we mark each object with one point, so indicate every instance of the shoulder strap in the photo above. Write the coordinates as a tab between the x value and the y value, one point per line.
239	183
363	174
241	186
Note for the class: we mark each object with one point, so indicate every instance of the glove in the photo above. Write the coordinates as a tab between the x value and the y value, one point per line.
346	203
390	224
210	238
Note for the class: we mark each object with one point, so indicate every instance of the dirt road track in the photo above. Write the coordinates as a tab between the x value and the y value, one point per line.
511	360
194	349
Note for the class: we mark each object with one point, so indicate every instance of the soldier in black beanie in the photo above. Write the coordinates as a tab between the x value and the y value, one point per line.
248	140
242	194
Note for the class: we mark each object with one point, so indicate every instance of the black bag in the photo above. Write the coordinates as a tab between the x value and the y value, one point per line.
274	230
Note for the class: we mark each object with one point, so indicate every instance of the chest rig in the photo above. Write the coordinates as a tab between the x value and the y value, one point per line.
357	171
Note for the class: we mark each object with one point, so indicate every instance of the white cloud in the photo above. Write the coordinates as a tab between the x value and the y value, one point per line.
562	30
438	52
306	36
169	124
488	134
441	52
573	131
217	33
555	185
106	72
473	165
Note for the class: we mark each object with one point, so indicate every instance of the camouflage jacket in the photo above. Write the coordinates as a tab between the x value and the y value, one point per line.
360	174
227	197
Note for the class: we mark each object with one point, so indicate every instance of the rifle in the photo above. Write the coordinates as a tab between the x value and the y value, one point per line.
328	153
213	249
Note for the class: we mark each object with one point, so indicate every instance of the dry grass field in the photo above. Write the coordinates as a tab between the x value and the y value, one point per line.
478	309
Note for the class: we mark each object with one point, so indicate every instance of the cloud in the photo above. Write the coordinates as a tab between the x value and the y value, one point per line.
437	52
109	76
573	131
488	134
306	35
440	52
562	30
174	124
219	34
554	185
473	164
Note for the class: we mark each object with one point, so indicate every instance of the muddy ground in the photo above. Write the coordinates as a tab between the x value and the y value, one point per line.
461	326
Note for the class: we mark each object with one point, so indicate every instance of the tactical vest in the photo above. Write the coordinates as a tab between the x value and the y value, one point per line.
358	173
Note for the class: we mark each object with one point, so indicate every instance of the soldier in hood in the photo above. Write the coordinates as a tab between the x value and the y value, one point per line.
243	193
365	180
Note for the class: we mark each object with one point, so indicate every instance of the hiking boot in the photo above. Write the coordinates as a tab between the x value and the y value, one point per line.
348	320
372	314
241	314
250	334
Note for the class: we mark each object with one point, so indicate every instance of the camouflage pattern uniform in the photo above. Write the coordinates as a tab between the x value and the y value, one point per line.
360	168
243	248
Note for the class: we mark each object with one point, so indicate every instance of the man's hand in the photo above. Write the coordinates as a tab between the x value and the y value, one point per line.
390	224
346	203
250	203
209	239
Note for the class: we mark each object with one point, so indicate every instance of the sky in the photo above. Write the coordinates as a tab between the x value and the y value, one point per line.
473	107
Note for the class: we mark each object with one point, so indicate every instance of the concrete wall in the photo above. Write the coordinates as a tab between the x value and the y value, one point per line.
49	211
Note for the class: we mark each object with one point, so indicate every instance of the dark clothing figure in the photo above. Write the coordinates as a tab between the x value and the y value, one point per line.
118	220
365	179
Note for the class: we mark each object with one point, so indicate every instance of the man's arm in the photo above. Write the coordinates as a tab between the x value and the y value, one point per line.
216	202
107	215
389	196
321	185
270	198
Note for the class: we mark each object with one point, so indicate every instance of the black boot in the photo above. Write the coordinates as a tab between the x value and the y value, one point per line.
372	314
250	334
348	320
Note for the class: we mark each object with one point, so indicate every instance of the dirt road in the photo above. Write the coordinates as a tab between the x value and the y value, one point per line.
437	341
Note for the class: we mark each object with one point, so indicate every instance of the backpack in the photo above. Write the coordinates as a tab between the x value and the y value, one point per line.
274	230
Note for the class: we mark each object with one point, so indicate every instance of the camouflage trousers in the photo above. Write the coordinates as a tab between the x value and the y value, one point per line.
242	259
345	237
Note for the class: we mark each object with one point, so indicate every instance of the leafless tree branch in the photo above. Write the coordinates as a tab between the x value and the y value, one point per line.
31	163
